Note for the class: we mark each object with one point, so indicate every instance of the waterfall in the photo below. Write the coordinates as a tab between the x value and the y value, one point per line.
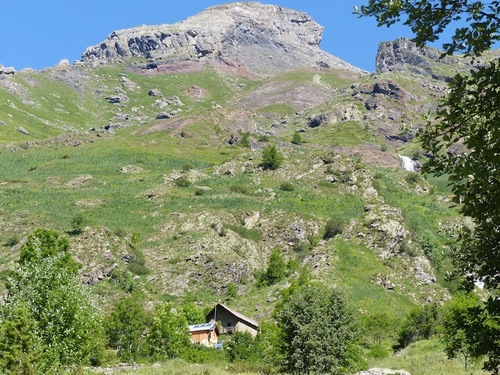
407	163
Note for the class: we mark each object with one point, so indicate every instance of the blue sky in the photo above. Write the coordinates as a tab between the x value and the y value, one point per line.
39	33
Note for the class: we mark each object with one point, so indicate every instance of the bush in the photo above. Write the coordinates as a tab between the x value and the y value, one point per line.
239	189
241	347
245	140
296	139
77	224
287	186
12	241
125	327
333	227
137	268
182	182
420	324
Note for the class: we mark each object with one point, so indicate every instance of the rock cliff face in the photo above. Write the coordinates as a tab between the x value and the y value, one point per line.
398	54
403	55
265	38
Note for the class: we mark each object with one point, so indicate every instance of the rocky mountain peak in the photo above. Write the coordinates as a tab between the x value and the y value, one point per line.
398	54
265	38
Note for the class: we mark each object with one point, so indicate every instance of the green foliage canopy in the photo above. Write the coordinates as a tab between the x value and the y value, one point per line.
45	293
125	327
318	327
168	336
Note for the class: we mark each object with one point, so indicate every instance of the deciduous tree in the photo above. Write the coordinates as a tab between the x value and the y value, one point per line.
66	322
318	327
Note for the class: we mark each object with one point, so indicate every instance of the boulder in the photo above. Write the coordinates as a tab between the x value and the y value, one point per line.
127	83
154	92
22	130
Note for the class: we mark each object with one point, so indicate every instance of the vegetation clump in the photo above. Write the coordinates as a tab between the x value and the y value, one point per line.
271	158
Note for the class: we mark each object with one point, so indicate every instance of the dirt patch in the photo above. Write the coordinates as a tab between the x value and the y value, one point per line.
79	181
196	93
131	169
174	124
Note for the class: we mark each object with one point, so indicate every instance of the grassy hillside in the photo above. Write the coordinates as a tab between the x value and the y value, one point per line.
202	213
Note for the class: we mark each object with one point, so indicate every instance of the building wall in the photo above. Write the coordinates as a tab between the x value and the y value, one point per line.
242	327
201	337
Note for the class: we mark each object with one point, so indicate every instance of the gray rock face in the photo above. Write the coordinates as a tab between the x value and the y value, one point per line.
266	38
402	55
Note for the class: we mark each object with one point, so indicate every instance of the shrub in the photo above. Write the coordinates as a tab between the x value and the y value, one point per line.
77	224
287	186
412	178
125	327
333	227
12	241
182	182
296	139
239	189
245	140
241	347
137	268
263	138
232	291
420	324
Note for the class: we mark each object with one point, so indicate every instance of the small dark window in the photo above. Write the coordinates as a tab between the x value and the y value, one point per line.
229	324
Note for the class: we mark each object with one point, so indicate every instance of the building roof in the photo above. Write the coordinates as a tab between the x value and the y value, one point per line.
237	314
202	327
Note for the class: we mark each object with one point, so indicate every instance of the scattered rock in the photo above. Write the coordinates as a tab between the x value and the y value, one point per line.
22	130
116	99
423	271
7	70
154	92
131	169
314	122
63	64
127	83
